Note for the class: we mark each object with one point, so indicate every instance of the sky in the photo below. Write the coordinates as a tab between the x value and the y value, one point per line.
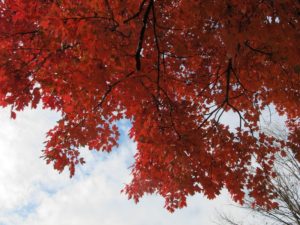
32	193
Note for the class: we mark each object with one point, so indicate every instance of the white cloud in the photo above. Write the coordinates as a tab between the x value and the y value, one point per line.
32	193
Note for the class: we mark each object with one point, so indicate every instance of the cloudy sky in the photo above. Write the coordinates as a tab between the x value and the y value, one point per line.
31	192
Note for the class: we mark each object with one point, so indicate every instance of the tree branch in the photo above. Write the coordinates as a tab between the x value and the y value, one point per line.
136	14
142	35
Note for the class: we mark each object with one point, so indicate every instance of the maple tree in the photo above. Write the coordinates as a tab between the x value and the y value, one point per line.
173	68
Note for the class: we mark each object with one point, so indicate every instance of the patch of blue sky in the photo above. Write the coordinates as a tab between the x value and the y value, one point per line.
23	211
50	190
124	126
93	158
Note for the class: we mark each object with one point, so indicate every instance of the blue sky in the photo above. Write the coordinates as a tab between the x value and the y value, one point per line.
31	192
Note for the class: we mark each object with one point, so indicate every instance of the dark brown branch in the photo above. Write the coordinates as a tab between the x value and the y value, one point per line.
85	18
258	50
142	35
32	32
137	13
226	102
110	88
26	32
211	114
228	73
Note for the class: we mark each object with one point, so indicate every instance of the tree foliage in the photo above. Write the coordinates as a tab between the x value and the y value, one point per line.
286	185
173	68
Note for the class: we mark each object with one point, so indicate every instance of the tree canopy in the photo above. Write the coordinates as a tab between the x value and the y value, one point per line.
173	68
